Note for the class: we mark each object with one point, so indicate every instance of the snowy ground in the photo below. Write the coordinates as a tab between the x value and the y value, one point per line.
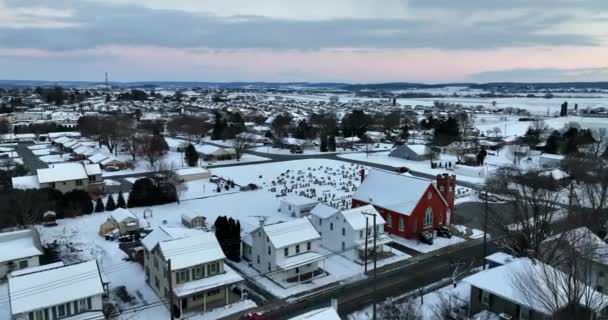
315	150
203	188
511	126
438	243
245	158
330	181
5	313
432	301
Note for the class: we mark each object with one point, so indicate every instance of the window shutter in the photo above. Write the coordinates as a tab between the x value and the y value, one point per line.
68	309
89	303
54	312
491	300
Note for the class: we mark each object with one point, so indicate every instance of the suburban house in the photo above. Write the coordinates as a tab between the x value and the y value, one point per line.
287	252
345	231
591	251
549	160
70	292
297	206
194	220
122	220
194	263
210	153
65	177
191	174
19	250
515	291
409	205
416	152
327	313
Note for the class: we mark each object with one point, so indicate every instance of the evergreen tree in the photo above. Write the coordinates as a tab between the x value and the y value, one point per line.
110	204
191	155
553	142
121	201
331	143
323	146
99	207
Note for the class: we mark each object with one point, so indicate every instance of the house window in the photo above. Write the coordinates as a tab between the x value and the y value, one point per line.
297	248
213	268
268	250
428	217
147	273
213	292
320	222
485	298
78	182
524	313
414	225
308	246
286	251
183	276
331	226
401	224
83	305
441	188
440	217
156	282
269	269
429	195
156	262
53	185
343	246
360	234
343	231
61	311
22	264
198	272
258	258
389	220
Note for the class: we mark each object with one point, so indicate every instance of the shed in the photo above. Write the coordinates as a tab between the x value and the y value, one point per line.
194	220
191	174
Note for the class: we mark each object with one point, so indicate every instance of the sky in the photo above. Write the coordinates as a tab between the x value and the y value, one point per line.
356	41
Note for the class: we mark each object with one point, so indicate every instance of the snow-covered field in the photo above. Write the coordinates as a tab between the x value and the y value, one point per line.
511	126
330	181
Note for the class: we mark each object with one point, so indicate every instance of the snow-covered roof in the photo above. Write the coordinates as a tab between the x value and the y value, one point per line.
299	200
323	211
98	157
62	172
189	171
165	233
291	232
587	243
92	169
552	156
121	214
356	219
108	160
25	182
52	287
299	260
199	248
392	191
207	149
18	245
328	313
419	149
228	277
503	281
37	269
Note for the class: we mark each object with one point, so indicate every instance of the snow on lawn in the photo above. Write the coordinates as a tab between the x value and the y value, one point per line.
438	243
110	182
245	158
459	296
172	159
383	158
330	181
203	188
469	233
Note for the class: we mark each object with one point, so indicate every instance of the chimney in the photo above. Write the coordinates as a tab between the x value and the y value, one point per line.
362	173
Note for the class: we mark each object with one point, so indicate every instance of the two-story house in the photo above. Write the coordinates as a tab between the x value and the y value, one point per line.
297	206
19	250
287	252
346	231
191	263
65	177
56	291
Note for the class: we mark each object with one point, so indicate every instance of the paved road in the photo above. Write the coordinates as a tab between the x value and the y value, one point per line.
392	280
30	160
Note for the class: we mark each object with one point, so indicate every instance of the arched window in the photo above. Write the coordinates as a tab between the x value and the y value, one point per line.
428	218
401	224
389	220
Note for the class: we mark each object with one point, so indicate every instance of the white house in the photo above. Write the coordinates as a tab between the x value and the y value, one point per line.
19	250
65	177
200	278
287	252
70	292
297	206
549	160
345	231
191	174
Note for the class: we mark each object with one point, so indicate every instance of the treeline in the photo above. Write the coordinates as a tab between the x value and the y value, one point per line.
147	192
43	128
228	233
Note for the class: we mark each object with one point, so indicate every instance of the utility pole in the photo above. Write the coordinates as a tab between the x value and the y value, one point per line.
170	277
366	233
485	231
375	257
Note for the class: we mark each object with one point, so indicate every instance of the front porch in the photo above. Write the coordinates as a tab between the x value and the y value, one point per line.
206	301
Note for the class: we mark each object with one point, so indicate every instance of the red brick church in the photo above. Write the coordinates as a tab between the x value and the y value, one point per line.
408	204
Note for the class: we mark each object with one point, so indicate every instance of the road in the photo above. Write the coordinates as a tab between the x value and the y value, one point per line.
392	280
30	160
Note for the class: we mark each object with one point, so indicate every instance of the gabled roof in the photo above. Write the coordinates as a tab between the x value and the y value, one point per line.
291	232
62	172
356	219
121	214
398	193
328	313
299	200
96	158
323	211
92	169
52	287
18	245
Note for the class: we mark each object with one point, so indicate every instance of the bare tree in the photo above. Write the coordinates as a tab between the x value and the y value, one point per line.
400	310
239	145
132	144
170	177
448	306
152	149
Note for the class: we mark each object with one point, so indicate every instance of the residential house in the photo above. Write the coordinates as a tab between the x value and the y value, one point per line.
297	206
416	152
64	292
287	252
519	289
328	313
346	231
194	263
194	220
549	160
211	153
19	250
191	174
408	204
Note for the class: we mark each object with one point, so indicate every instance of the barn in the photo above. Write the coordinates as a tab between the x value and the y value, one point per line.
408	204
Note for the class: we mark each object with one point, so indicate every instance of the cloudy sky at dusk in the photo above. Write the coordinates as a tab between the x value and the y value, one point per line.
313	40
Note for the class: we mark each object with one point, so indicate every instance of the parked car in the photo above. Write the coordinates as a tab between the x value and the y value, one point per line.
426	237
403	170
443	232
254	316
111	168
